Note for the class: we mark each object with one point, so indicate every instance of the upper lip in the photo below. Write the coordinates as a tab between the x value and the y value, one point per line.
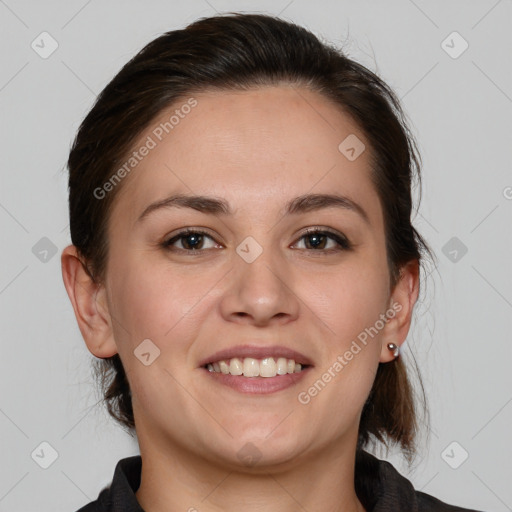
257	352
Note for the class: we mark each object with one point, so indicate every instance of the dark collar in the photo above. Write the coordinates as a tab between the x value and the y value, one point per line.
379	487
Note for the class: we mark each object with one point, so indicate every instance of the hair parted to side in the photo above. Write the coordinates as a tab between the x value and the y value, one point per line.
241	52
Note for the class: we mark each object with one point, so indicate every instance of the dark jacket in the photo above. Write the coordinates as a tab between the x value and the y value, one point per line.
384	490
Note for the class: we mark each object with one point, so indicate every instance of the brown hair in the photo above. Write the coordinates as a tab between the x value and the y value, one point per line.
240	52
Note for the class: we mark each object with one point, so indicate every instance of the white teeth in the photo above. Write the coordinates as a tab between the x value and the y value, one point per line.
268	367
224	368
282	366
250	367
236	367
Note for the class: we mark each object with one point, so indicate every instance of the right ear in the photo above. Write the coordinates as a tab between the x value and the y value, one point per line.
90	303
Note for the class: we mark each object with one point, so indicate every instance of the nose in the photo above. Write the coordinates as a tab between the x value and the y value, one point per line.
261	292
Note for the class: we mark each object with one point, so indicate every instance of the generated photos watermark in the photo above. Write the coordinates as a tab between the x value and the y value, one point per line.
304	397
150	143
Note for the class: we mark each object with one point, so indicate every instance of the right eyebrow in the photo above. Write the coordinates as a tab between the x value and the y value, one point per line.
204	204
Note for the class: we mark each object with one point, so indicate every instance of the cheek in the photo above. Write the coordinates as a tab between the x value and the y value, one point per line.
350	299
165	309
352	356
357	298
157	302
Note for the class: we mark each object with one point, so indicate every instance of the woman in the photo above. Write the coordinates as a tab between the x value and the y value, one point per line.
244	264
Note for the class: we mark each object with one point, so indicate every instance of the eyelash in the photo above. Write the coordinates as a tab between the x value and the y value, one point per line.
343	242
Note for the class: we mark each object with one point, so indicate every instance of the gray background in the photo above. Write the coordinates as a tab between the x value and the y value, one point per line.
460	109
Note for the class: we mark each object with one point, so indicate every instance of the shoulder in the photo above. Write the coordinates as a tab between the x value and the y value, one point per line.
119	496
427	503
94	506
102	504
381	488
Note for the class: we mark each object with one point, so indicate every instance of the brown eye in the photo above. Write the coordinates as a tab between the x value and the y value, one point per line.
318	240
190	240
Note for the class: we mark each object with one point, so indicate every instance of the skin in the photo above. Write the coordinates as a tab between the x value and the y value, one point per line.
257	150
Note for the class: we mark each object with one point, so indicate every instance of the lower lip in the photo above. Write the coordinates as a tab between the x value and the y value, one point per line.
258	385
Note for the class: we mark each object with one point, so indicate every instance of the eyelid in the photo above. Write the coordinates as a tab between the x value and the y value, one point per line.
321	229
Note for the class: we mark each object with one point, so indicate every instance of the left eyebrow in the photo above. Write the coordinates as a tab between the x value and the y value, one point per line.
313	202
217	206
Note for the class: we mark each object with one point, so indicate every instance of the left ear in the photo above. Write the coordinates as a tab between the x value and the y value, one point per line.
402	300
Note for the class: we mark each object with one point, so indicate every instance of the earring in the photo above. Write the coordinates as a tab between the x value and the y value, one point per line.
394	348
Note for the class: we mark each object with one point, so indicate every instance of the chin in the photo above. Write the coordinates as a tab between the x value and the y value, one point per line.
259	449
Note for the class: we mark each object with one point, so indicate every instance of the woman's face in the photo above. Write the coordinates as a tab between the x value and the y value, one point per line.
254	280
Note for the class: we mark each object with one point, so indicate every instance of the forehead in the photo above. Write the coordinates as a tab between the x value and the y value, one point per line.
271	144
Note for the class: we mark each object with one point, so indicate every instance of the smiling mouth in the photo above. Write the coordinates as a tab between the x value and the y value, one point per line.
251	367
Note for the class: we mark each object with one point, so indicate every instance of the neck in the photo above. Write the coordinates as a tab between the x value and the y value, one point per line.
177	479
